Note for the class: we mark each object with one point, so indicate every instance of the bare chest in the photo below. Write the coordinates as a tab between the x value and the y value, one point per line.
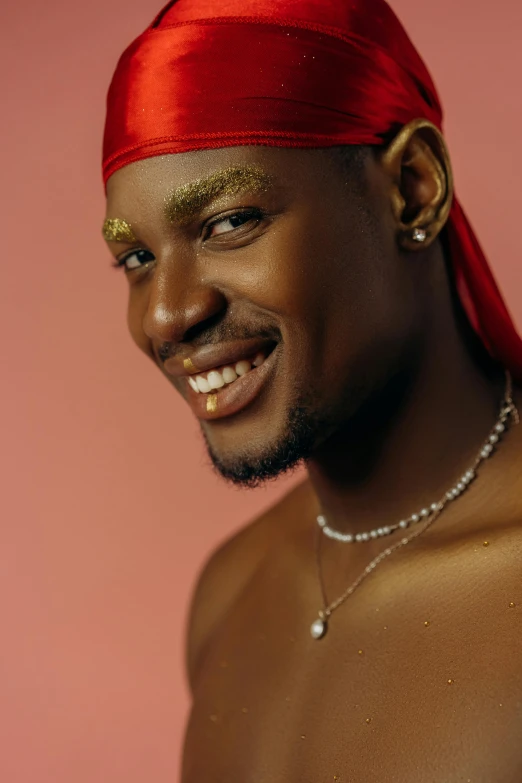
425	685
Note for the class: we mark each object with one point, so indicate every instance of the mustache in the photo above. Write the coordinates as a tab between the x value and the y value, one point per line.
219	334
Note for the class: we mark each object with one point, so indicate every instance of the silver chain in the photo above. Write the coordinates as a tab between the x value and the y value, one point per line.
508	410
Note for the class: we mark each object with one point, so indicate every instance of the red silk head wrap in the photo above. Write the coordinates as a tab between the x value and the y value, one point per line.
289	73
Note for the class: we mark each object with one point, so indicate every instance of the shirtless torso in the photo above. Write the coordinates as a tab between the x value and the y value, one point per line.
301	274
419	677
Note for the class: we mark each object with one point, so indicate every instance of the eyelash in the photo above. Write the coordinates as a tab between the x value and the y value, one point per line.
250	214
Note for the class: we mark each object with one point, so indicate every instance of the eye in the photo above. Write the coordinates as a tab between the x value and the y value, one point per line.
230	223
135	259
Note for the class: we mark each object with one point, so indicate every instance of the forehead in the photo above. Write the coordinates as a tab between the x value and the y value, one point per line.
154	178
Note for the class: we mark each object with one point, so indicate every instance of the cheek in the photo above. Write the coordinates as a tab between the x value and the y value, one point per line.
136	309
343	291
289	270
328	275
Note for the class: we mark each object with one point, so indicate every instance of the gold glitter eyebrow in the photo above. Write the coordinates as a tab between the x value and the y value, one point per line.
117	230
184	203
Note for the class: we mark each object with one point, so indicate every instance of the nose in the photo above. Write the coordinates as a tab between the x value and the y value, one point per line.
174	310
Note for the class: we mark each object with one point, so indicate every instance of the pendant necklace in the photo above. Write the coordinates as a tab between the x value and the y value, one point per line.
508	414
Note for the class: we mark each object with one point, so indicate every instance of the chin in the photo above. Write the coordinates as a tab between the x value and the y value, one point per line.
264	459
251	471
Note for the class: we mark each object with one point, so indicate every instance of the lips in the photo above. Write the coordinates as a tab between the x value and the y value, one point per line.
222	380
209	357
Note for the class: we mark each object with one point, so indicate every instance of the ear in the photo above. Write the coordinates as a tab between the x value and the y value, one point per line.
418	164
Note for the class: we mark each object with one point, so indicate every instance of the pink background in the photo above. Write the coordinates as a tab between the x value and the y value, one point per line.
108	506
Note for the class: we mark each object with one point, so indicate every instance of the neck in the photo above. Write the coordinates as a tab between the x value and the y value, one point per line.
411	443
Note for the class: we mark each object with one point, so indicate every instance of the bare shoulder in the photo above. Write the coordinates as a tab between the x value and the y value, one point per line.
231	567
479	540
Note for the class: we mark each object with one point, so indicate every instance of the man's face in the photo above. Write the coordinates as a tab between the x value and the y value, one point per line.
286	261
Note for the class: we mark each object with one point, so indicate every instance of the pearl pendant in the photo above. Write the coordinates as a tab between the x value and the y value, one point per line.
318	629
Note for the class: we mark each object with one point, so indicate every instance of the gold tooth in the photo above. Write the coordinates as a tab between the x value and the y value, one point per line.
188	365
212	403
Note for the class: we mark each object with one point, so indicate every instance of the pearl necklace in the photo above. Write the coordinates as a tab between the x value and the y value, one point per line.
429	514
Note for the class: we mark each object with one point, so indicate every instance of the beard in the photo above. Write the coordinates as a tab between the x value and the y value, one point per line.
353	428
305	428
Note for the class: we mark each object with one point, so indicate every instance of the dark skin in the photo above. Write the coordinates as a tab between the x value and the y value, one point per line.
369	336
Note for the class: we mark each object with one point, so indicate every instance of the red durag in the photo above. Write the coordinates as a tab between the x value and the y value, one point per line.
289	73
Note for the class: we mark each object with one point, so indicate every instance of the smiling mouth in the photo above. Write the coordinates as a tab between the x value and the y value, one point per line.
224	390
219	377
219	380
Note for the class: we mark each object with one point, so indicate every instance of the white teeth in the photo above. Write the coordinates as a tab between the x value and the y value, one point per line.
215	379
243	367
229	374
203	384
193	384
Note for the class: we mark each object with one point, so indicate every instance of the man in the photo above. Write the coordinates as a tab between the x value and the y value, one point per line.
280	196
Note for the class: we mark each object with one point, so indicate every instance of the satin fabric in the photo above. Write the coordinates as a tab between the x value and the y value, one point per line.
289	73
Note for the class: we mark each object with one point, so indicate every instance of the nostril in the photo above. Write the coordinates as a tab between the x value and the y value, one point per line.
164	352
202	326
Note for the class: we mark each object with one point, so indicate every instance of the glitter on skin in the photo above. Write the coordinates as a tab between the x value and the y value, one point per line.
117	230
486	543
512	605
427	623
185	202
